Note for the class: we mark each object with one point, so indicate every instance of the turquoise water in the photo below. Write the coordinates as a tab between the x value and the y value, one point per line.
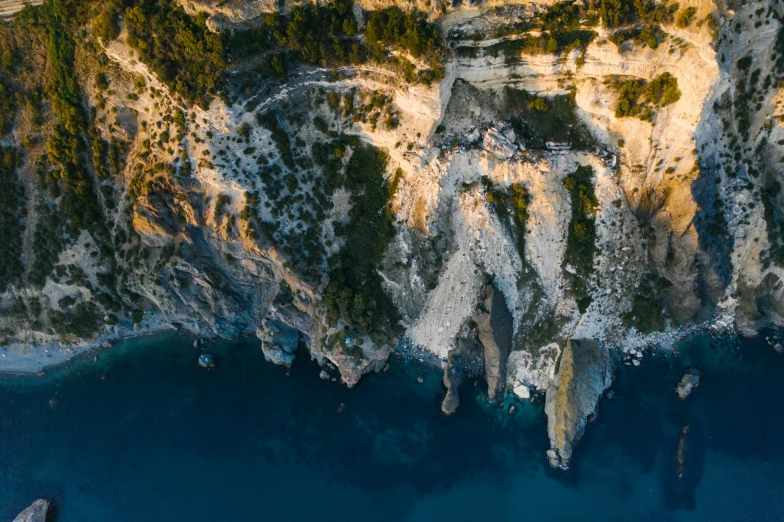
159	439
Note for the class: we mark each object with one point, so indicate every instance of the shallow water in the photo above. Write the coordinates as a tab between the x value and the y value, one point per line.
160	439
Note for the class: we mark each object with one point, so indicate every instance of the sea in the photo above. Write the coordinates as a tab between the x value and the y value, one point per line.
142	433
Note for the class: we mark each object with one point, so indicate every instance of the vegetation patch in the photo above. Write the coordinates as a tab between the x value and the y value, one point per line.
328	35
538	120
685	16
638	98
511	205
80	321
617	13
47	244
646	313
282	142
315	34
409	31
774	222
66	145
581	239
647	35
11	208
557	43
354	294
179	48
566	26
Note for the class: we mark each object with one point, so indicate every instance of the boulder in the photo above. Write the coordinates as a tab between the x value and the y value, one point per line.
689	381
35	513
522	391
534	369
497	144
206	361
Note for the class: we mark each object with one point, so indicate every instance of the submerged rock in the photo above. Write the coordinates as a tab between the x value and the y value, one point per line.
584	373
451	399
689	381
35	513
681	455
206	361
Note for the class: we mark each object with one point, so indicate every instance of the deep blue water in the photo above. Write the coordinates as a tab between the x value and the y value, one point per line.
159	439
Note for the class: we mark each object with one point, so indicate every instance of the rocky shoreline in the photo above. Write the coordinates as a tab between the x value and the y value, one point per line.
39	358
525	227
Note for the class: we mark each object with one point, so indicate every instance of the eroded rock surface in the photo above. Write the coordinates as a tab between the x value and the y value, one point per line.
584	373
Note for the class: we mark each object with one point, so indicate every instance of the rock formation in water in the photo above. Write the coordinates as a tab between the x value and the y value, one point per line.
35	513
689	381
584	373
516	189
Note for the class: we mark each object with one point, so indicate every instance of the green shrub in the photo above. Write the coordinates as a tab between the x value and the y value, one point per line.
640	99
539	104
244	130
80	321
648	35
684	17
221	202
105	24
510	203
581	238
616	13
66	301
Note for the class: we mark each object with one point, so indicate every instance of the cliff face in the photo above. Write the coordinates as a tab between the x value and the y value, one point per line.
538	203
